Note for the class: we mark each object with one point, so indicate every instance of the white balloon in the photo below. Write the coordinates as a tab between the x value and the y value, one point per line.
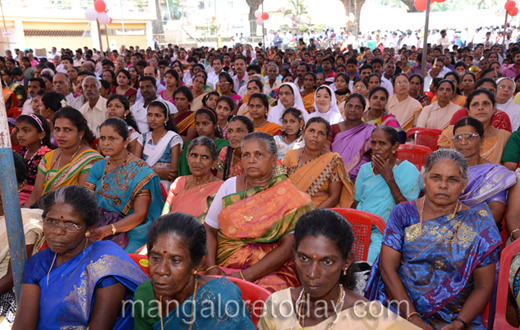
103	18
258	14
91	14
260	21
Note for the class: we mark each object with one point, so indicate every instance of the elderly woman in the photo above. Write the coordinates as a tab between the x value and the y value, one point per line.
504	97
323	245
377	114
439	292
439	113
416	89
168	299
251	242
487	182
326	106
481	106
194	193
127	190
289	97
76	283
384	182
318	172
405	108
351	138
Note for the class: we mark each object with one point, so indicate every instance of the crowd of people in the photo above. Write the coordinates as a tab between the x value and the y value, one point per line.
255	146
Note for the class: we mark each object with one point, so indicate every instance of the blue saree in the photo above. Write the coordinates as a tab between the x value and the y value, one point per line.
67	301
117	190
437	285
487	183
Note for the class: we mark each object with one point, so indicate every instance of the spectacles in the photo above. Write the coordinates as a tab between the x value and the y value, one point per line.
401	83
360	87
469	137
504	87
286	93
68	226
350	106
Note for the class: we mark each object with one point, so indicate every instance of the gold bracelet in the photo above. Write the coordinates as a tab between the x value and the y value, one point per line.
511	235
210	268
412	314
113	229
242	275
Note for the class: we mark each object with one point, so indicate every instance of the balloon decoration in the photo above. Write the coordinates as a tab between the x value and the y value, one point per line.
258	14
99	12
260	21
514	11
510	5
100	6
91	14
420	5
104	19
438	1
265	16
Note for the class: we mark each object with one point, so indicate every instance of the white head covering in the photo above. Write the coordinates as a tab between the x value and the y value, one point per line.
275	113
333	116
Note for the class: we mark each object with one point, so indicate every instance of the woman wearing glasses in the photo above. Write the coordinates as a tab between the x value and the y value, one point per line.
487	182
405	108
505	89
225	84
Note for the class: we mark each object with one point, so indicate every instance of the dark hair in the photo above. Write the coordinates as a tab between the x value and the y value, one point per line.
358	96
345	77
52	100
207	142
262	98
473	75
80	198
374	75
476	92
482	81
186	227
150	79
232	105
299	115
446	81
470	121
118	125
185	90
40	81
44	124
20	167
330	224
228	78
173	73
393	135
319	120
462	64
41	92
212	114
378	89
363	80
208	95
170	124
258	83
129	118
77	119
114	78
105	84
229	153
126	73
313	75
485	72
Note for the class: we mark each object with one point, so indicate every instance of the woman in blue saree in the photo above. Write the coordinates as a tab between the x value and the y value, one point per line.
127	190
76	283
176	297
438	256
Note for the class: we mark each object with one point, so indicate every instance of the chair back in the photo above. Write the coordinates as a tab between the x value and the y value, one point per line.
361	223
500	322
423	136
164	191
415	154
141	261
252	294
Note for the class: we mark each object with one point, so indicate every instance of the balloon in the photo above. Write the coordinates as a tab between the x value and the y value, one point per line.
104	19
91	14
260	21
514	11
265	16
213	18
510	5
100	6
110	20
439	0
258	14
420	5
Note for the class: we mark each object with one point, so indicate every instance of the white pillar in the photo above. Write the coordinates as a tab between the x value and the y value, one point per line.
20	36
94	35
149	34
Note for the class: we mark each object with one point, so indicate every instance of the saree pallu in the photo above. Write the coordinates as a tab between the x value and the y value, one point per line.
69	174
438	286
247	233
461	100
184	121
184	168
314	177
499	120
271	129
487	183
406	112
195	201
391	121
352	145
68	299
196	104
308	102
118	189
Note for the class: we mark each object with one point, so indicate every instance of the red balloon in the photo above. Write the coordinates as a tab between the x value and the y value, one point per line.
213	18
110	20
100	6
514	11
510	5
440	0
420	5
265	16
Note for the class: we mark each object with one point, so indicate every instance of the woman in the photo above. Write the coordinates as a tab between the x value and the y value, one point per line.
174	296
481	106
292	132
309	85
290	97
318	172
249	242
171	79
377	115
194	193
351	138
487	182
123	87
323	245
127	190
184	118
229	160
253	87
134	77
206	125
210	100
504	98
119	107
440	292
341	82
225	107
76	282
110	77
384	182
467	84
33	233
198	92
70	164
374	80
325	105
226	86
405	108
258	107
416	89
457	98
439	113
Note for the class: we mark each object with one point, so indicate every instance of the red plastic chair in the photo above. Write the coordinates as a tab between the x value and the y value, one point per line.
416	155
252	294
427	137
141	261
14	112
509	252
361	223
164	192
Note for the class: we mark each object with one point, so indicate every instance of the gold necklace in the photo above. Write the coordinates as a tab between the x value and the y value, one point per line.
450	217
299	158
54	259
192	306
301	317
58	160
153	143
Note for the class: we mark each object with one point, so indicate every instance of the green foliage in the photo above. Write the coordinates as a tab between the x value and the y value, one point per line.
298	10
174	7
207	31
448	5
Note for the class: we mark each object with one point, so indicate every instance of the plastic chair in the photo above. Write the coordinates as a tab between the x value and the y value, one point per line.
14	112
361	223
509	252
416	155
141	261
164	192
252	294
427	137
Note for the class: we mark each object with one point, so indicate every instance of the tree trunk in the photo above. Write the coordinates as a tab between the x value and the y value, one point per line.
353	6
157	25
411	6
253	6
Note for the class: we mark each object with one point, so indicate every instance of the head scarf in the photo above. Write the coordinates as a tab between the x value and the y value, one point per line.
333	116
298	102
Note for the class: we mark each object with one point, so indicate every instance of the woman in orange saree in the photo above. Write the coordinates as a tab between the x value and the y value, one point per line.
185	117
251	242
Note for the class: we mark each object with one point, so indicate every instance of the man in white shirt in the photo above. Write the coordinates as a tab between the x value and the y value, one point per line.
443	41
436	71
150	71
95	110
35	84
62	84
53	53
377	65
213	75
272	81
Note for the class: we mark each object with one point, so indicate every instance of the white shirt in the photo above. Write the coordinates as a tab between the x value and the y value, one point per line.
95	116
213	79
428	79
228	187
270	88
444	42
61	69
387	84
513	111
140	111
69	98
27	107
78	102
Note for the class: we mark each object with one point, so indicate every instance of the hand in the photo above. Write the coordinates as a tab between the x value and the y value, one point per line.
383	167
418	321
456	325
235	275
215	271
99	233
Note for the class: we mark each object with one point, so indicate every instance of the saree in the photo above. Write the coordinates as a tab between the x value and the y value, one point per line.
438	286
308	102
245	240
423	99
460	100
235	170
69	174
196	104
195	201
314	177
271	129
184	168
118	189
184	121
487	183
353	145
218	306
406	112
32	171
68	299
389	119
435	116
499	120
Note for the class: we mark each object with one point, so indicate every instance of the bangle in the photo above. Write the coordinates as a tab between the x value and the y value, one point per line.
242	275
412	314
456	318
511	235
210	268
113	229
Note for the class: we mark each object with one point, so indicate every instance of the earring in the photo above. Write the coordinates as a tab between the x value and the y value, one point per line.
87	234
195	272
125	117
165	123
41	142
344	272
